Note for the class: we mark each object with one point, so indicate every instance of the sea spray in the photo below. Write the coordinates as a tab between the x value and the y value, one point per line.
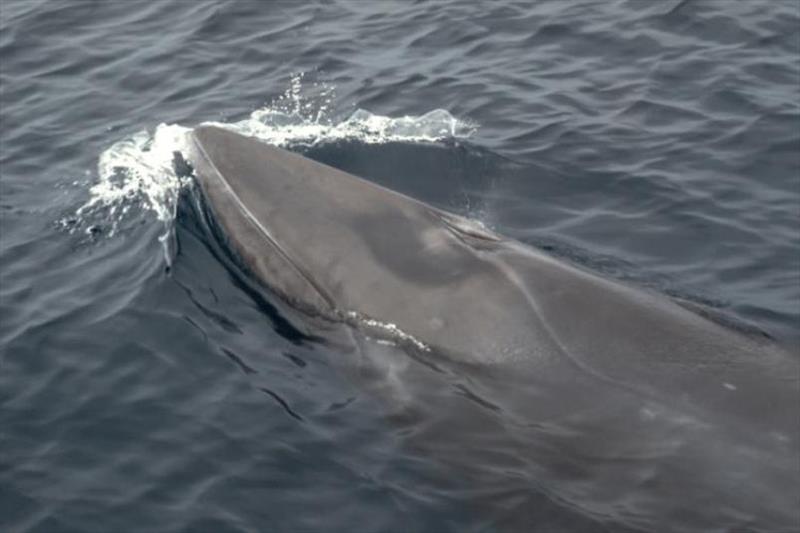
135	174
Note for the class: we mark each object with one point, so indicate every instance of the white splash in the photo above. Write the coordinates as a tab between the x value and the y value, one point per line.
138	170
281	129
297	119
386	328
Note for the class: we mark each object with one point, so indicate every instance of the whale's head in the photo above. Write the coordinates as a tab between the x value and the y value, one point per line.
336	243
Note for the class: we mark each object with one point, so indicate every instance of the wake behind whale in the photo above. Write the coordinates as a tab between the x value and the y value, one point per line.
612	398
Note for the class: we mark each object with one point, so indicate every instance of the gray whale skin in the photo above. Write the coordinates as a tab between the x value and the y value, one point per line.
708	412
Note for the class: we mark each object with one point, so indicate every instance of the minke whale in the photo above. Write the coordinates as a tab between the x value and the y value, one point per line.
665	416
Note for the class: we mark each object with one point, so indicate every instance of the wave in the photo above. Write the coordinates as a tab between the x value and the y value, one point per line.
138	170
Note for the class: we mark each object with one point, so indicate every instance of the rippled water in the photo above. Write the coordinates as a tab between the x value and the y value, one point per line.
147	385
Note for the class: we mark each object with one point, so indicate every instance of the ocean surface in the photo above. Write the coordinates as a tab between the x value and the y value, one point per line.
145	385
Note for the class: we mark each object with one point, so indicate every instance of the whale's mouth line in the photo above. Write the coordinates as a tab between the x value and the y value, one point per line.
384	329
263	231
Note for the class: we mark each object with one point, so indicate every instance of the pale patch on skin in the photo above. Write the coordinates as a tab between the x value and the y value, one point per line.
432	238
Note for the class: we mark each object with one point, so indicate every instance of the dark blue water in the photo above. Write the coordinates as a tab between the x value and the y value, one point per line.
145	385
